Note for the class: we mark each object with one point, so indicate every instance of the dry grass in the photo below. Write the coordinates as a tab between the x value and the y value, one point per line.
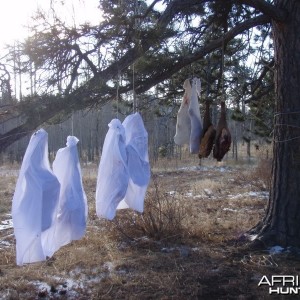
184	246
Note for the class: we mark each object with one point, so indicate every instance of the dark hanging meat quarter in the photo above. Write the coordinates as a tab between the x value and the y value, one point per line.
209	133
223	136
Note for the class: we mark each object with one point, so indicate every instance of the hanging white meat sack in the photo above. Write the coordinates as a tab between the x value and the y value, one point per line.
195	118
70	221
35	200
137	162
112	180
183	124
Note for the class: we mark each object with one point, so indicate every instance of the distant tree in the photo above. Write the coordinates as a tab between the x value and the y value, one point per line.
5	86
160	40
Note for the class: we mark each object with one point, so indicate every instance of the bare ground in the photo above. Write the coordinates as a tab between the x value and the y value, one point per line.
194	250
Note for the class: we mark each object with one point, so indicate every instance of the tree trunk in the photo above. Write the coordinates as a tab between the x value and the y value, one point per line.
281	224
249	148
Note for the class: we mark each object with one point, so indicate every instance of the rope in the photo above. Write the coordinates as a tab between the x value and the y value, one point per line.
222	74
289	139
287	113
288	125
133	89
72	124
136	12
117	96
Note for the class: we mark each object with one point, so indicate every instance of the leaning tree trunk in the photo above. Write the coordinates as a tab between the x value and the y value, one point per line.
281	224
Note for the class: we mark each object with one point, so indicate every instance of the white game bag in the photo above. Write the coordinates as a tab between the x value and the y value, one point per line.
112	180
35	200
71	218
137	162
195	117
183	125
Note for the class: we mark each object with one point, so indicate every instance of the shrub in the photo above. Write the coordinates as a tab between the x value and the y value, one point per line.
263	172
162	218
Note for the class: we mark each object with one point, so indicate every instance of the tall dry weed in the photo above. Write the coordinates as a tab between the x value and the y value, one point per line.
163	216
262	173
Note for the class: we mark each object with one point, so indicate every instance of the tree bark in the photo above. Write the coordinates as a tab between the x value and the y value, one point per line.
281	224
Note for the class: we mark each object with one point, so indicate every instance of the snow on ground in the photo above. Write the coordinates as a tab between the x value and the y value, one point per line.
6	224
230	209
67	288
276	250
193	168
6	237
221	169
250	194
4	244
189	194
210	194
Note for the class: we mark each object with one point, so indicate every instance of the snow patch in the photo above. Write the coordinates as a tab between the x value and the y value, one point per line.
5	244
65	287
6	224
189	194
195	249
208	192
193	168
229	209
109	266
220	169
167	250
72	284
250	194
276	250
252	237
75	272
42	286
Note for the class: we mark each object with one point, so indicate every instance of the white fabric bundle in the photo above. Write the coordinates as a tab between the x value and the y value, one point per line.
137	162
183	125
194	113
113	177
70	221
189	124
35	200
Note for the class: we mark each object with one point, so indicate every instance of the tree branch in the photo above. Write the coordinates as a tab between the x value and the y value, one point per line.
261	92
187	60
73	76
267	9
84	56
267	68
146	42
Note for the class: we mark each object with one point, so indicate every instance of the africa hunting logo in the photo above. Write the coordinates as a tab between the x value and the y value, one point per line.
281	284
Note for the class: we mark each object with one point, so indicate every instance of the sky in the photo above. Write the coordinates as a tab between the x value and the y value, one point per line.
15	15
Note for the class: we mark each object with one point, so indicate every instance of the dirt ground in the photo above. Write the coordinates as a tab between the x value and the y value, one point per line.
188	244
